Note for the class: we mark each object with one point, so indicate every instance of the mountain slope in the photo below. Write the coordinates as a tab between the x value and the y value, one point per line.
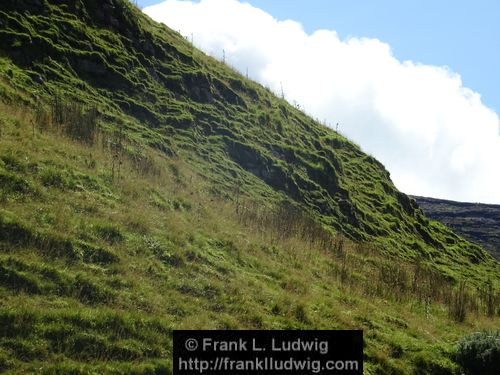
479	223
147	187
161	91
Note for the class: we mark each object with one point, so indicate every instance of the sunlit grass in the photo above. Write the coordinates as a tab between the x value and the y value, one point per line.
153	252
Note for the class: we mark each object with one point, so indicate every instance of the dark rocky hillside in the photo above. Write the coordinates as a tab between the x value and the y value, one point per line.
479	223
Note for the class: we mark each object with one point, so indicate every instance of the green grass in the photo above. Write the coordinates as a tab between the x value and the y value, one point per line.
97	280
202	201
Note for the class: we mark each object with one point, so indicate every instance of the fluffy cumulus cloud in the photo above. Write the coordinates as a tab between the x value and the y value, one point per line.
434	135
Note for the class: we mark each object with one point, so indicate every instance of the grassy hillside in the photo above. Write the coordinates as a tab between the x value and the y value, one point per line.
479	223
147	187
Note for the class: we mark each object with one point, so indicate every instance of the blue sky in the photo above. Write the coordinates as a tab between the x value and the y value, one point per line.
413	82
461	34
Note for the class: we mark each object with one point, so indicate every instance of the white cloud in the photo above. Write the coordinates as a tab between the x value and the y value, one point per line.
434	135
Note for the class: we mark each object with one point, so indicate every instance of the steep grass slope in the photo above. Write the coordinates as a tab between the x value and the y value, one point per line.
147	187
150	83
102	256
